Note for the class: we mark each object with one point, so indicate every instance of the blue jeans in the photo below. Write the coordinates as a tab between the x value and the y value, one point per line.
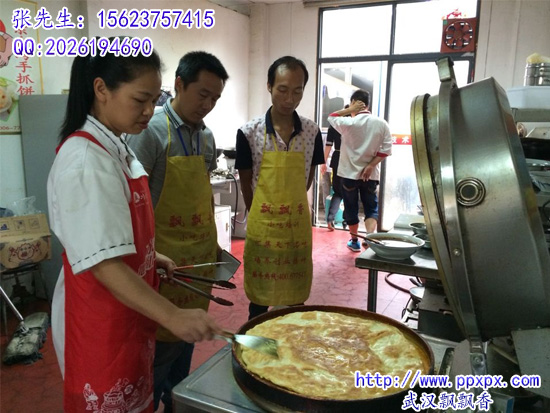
336	197
352	191
171	366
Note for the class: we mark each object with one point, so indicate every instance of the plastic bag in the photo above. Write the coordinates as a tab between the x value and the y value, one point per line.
25	206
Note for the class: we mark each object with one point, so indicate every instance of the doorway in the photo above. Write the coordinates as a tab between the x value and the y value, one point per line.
395	65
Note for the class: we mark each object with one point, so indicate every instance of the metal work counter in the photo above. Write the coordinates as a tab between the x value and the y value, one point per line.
422	264
212	387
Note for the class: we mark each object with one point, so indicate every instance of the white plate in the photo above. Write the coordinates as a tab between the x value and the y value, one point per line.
395	252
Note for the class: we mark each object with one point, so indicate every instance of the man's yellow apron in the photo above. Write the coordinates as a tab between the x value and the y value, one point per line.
185	229
278	268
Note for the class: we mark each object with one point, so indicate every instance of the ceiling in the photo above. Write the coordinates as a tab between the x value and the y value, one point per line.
243	6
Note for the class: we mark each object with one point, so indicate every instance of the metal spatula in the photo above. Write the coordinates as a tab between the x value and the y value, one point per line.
262	344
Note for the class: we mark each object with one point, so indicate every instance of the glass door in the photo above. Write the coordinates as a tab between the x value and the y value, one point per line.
338	82
390	50
408	80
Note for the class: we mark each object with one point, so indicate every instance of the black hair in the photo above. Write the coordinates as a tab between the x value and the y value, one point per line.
112	69
361	95
191	64
290	63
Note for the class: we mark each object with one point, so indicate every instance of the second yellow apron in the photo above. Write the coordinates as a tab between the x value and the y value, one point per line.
277	257
185	229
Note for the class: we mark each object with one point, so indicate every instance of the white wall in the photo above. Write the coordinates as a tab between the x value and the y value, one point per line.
278	30
228	40
510	31
55	77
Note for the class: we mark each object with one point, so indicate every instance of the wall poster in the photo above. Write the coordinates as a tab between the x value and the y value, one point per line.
19	75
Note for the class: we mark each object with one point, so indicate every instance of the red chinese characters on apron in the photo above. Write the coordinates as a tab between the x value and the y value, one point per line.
184	225
109	348
278	268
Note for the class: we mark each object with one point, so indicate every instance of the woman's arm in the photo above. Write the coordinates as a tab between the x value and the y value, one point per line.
188	324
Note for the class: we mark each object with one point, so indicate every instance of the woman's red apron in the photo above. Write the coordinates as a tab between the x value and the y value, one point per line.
109	348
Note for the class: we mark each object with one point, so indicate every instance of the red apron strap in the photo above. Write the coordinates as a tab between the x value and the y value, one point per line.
82	134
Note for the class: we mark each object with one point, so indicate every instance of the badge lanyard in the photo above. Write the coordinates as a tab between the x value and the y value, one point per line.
181	139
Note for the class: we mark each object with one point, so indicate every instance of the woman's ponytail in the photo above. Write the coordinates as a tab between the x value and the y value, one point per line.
113	69
81	95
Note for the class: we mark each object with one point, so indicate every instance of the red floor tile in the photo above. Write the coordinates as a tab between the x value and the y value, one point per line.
38	387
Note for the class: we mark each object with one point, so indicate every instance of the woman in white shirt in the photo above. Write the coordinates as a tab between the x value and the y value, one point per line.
106	307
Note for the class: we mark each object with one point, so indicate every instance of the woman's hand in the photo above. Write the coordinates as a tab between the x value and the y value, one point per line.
131	290
192	325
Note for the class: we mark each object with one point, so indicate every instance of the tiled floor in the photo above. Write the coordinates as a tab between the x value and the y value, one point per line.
38	387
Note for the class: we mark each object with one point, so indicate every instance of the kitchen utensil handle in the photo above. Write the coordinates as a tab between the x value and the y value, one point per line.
219	300
367	238
221	283
206	264
12	306
218	337
225	336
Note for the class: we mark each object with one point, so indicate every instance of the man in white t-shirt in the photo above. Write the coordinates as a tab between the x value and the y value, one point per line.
366	141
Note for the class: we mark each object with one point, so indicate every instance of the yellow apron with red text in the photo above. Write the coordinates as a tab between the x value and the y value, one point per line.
278	268
185	229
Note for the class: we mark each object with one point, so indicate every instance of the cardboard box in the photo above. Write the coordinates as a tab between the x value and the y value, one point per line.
24	240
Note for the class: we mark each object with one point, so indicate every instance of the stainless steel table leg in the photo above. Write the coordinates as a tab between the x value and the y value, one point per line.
371	290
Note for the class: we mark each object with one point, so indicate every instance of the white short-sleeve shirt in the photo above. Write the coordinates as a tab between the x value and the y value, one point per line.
88	202
364	136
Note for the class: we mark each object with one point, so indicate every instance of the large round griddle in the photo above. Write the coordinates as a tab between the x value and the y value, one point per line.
274	398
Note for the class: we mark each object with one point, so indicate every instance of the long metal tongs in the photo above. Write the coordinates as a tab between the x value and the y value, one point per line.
226	285
206	264
219	300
